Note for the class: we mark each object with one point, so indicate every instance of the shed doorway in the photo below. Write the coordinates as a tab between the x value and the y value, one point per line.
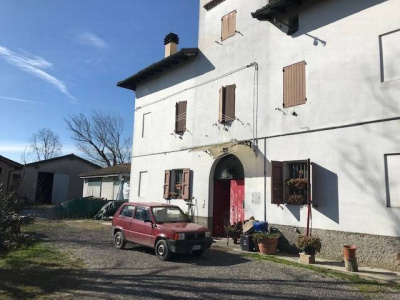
44	187
228	206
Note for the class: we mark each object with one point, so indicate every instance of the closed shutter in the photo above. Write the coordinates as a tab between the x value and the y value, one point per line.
180	116
294	84
228	25
221	117
167	179
230	103
186	184
277	182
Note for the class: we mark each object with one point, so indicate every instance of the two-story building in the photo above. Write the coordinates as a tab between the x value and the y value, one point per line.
287	111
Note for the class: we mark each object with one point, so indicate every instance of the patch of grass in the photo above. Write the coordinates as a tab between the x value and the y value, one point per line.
86	224
36	272
365	286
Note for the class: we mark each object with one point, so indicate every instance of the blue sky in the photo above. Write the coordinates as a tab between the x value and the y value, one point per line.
65	57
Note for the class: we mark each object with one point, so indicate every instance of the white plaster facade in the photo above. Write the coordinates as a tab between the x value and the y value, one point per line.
344	87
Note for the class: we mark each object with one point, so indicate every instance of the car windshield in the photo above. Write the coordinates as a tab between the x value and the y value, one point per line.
169	214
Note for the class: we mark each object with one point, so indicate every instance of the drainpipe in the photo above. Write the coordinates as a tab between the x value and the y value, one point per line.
265	179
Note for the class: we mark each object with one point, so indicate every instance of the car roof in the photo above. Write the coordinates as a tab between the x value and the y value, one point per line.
149	204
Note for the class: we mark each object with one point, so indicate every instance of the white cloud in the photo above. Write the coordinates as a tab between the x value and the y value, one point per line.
34	65
18	100
89	39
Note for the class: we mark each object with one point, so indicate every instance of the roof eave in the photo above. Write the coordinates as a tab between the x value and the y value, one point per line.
184	54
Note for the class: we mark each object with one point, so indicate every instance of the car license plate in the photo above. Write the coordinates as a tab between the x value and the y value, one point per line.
196	247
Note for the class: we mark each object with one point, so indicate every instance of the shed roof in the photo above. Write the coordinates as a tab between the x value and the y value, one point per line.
167	63
114	170
68	156
10	162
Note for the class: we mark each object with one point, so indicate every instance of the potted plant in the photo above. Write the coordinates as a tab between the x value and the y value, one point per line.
267	242
310	245
234	231
295	199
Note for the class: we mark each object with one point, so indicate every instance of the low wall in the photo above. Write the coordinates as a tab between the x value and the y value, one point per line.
372	250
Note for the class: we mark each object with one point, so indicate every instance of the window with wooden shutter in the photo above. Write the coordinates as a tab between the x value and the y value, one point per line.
227	104
186	184
277	182
294	84
167	179
228	25
180	116
177	184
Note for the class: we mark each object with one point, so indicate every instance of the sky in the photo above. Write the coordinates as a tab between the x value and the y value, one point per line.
59	58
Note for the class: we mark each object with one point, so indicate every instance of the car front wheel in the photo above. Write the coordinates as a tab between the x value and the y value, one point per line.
119	240
162	250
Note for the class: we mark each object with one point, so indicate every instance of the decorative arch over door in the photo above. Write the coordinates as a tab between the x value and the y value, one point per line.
228	194
228	168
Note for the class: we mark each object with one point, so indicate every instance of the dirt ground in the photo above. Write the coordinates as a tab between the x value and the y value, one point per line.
92	268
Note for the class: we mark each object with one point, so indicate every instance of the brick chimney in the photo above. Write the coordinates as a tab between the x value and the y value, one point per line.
171	42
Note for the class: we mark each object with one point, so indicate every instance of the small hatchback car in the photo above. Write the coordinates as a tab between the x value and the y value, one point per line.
163	227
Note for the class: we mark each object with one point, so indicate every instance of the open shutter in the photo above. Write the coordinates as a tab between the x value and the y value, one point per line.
277	182
221	117
167	179
294	84
186	184
230	103
228	25
309	196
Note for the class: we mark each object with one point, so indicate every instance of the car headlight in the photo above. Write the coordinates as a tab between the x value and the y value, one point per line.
179	236
207	234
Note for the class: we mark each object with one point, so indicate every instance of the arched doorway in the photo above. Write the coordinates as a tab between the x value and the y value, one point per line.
228	194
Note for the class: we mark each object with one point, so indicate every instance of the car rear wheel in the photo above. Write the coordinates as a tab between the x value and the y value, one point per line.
119	240
162	250
198	252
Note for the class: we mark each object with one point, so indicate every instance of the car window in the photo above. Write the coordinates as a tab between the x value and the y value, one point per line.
142	214
169	214
127	211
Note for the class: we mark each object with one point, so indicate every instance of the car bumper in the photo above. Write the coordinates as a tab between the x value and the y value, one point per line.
187	246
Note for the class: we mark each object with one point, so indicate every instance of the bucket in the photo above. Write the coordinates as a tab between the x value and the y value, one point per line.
349	252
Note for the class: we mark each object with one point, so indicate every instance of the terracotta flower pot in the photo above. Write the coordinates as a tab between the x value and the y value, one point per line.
268	245
349	252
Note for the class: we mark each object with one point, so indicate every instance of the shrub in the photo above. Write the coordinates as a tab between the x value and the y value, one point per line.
258	237
11	221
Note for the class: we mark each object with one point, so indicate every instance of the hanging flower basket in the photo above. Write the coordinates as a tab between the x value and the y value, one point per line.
295	199
297	183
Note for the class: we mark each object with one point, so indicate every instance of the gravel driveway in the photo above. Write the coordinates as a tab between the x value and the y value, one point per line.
136	273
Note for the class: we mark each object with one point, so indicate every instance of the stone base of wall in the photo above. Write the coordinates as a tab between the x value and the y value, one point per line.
372	250
203	221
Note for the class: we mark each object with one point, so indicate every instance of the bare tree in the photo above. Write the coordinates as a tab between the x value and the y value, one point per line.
100	137
45	144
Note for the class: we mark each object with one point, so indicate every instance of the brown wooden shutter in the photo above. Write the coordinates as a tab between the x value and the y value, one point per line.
309	182
277	182
186	184
230	103
180	116
221	117
167	179
294	84
228	25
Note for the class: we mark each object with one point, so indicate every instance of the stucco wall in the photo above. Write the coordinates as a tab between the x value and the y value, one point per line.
339	40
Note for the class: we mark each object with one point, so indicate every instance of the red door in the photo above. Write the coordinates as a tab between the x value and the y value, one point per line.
236	201
221	207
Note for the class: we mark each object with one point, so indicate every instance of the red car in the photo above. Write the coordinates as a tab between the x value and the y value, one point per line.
160	226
